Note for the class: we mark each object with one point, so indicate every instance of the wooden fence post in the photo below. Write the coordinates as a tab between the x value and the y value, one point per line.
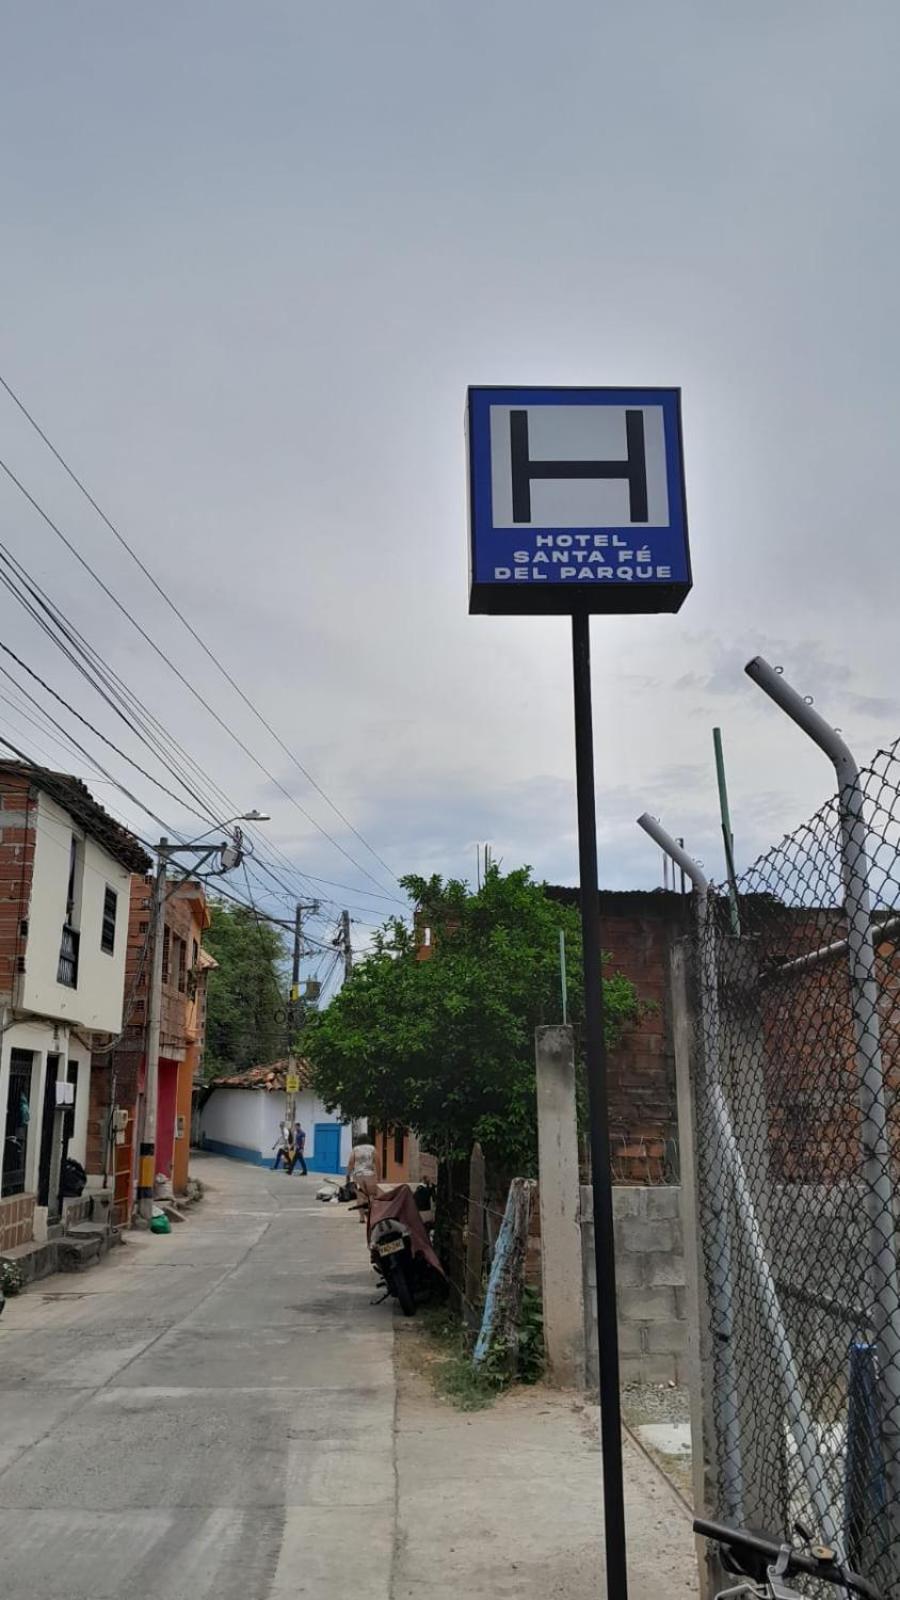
474	1237
502	1306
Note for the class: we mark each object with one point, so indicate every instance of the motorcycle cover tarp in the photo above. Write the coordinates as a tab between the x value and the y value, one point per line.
400	1206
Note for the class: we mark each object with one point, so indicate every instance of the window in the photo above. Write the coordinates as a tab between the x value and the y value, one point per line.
181	949
73	874
166	956
67	968
195	952
108	932
399	1145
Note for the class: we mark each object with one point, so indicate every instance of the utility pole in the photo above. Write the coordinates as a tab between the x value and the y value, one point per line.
229	856
147	1171
312	906
345	944
290	1103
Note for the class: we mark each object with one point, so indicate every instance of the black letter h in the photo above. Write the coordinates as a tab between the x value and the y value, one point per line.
524	470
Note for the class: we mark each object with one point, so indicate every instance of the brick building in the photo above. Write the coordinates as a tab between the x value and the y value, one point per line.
637	930
118	1078
65	870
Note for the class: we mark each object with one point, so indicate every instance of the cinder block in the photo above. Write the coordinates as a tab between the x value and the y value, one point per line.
631	1369
630	1271
638	1233
666	1338
664	1202
627	1200
647	1305
659	1369
662	1270
631	1341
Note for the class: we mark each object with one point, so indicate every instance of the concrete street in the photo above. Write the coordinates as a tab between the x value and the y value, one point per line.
215	1413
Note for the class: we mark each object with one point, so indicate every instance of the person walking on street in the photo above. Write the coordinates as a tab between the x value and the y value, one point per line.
282	1148
364	1170
299	1148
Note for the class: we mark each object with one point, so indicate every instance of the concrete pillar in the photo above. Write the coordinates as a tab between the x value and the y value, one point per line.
700	1355
561	1266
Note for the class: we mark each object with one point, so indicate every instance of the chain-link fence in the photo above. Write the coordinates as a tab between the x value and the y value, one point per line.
797	1103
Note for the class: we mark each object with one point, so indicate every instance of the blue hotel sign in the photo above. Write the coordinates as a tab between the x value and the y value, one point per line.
576	501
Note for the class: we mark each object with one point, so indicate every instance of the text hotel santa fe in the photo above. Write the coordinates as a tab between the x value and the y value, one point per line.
583	555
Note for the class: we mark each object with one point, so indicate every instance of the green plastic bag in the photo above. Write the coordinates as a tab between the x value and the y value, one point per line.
160	1225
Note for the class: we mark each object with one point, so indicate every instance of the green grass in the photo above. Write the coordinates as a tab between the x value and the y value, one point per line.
450	1367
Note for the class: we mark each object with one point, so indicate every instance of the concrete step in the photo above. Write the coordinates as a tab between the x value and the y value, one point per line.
35	1260
76	1254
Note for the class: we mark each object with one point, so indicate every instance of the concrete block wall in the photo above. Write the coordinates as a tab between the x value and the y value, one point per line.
651	1285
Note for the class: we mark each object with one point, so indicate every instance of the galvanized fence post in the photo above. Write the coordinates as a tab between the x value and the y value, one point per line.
872	1091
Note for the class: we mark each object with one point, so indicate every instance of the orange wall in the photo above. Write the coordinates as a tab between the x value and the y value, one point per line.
392	1170
183	1096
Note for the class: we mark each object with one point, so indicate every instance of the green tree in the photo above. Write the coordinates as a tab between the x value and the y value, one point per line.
245	1020
446	1045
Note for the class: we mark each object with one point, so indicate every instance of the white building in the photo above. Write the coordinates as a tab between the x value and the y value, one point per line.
244	1112
65	871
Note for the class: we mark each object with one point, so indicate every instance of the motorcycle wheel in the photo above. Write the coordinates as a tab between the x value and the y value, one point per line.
401	1289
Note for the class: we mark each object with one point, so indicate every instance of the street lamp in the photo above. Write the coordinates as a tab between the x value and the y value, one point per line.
230	856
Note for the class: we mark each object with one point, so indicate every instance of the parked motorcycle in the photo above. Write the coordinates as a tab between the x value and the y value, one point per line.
399	1232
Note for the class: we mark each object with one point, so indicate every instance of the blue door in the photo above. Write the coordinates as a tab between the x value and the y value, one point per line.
327	1147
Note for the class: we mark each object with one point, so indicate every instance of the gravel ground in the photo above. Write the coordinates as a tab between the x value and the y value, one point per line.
649	1405
643	1402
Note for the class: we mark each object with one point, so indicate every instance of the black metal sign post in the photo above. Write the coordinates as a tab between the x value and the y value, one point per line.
601	1171
577	504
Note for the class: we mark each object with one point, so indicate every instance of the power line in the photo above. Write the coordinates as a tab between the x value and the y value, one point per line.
190	628
347	887
117	695
161	744
83	562
204	817
85	660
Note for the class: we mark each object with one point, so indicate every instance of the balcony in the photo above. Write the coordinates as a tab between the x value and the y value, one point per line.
67	971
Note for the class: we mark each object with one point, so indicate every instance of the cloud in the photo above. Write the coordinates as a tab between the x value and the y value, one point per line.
253	273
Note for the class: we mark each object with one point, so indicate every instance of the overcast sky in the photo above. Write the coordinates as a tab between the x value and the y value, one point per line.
252	256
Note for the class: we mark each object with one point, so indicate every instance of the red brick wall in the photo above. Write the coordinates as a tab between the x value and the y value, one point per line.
637	930
128	1055
809	1050
181	923
16	1221
16	868
643	1118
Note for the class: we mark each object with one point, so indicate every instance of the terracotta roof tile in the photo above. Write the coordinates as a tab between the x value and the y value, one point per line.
265	1077
76	798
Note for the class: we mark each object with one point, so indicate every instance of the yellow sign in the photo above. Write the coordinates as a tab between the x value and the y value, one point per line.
292	1083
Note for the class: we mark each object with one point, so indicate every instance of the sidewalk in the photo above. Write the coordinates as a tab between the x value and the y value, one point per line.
223	1414
508	1501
